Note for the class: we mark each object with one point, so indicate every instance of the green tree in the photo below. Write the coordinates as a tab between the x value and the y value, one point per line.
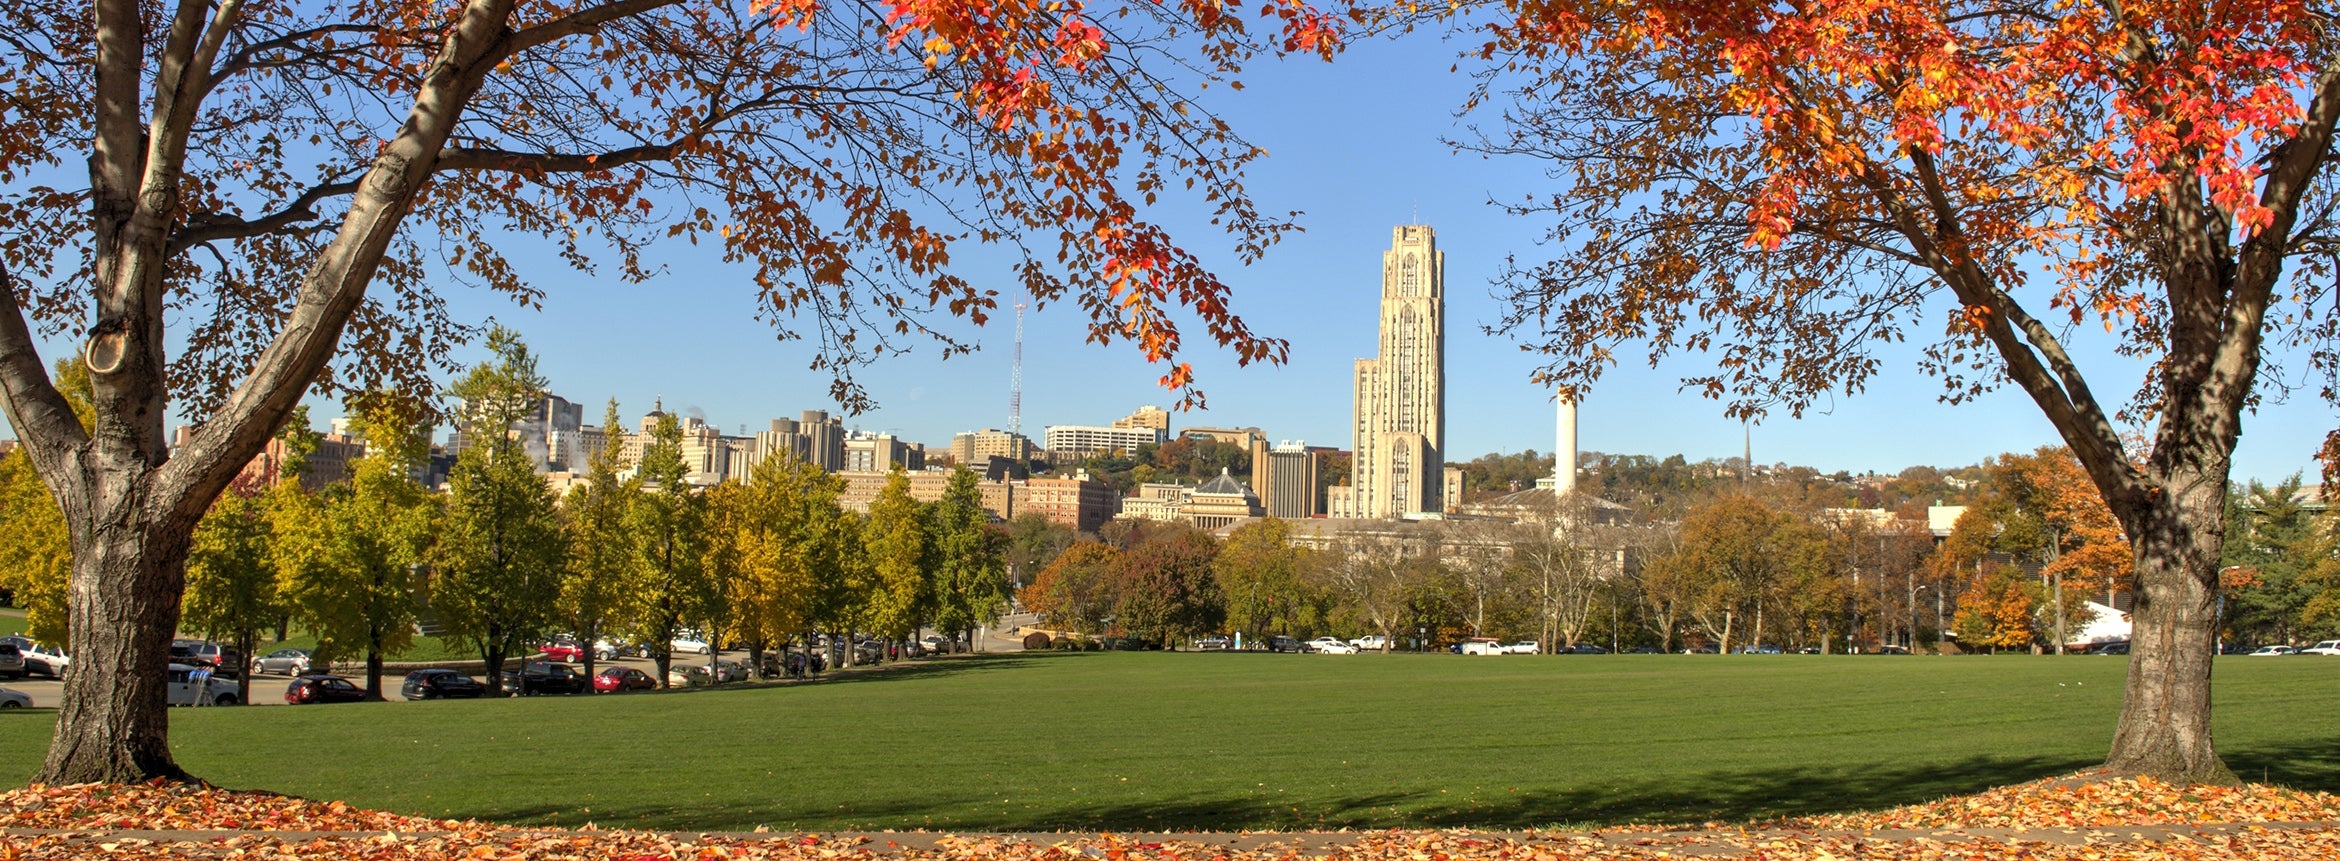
345	559
601	556
36	547
1263	578
36	553
966	558
1742	553
1033	541
231	579
786	536
496	575
670	585
2270	542
896	590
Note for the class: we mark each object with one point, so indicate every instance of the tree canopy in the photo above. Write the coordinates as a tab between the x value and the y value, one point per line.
1792	188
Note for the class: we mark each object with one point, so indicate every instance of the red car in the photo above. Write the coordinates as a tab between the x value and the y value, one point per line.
563	651
622	679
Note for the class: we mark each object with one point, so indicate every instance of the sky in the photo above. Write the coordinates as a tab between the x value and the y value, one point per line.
1358	147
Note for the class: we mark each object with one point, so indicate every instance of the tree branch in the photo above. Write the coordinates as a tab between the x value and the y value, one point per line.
578	22
523	162
35	408
213	228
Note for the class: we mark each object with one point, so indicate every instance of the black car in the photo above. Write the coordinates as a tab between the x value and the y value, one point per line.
322	688
1588	649
1280	643
544	677
440	685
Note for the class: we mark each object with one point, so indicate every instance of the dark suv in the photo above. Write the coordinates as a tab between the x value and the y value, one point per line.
223	660
544	677
1281	643
440	685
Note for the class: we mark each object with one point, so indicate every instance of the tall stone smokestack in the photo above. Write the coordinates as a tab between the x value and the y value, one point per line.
1564	450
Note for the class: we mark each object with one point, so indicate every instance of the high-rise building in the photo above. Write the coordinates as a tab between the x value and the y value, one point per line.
1148	416
1290	492
1069	443
1400	431
972	449
815	438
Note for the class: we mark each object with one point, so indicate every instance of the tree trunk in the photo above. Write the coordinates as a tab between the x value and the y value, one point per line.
2164	728
113	724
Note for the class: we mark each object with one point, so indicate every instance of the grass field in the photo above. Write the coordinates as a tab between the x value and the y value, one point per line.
1120	741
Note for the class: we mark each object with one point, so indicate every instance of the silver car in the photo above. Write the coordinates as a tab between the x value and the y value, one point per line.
14	699
290	662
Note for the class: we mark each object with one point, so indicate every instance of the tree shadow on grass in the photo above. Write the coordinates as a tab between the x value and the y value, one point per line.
1729	796
2312	765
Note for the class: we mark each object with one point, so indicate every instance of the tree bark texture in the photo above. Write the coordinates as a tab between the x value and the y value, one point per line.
2164	728
128	574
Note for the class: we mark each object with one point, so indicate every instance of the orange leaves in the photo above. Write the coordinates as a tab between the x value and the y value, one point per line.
2113	813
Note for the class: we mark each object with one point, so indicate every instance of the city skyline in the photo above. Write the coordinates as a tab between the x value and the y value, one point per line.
691	335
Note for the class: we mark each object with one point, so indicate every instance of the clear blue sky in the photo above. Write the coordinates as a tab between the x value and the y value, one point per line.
1357	147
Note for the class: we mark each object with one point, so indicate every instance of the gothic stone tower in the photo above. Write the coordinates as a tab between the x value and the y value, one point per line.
1401	394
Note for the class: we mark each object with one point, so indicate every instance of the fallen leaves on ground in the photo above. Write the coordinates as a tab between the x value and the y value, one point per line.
193	807
2092	801
2098	806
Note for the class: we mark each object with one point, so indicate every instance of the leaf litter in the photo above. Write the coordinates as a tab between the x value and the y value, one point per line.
2249	822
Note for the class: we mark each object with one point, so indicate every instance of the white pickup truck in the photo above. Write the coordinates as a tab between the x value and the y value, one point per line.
211	691
1481	646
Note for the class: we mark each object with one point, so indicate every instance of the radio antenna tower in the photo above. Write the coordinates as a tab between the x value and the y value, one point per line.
1016	380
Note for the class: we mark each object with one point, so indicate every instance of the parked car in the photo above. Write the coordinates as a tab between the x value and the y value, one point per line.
544	677
14	699
2327	647
222	659
1211	644
291	662
610	650
728	670
940	645
1710	649
562	650
190	684
2270	651
688	677
318	688
1371	643
2121	647
440	685
1479	646
1523	647
1590	649
46	660
1329	646
1645	650
1760	649
622	679
11	661
1281	643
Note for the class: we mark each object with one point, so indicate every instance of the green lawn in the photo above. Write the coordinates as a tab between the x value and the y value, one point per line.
1222	741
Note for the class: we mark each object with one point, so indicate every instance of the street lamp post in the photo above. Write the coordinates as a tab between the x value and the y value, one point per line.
1913	614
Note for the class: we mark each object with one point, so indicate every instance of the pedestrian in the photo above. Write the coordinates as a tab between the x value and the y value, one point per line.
200	678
